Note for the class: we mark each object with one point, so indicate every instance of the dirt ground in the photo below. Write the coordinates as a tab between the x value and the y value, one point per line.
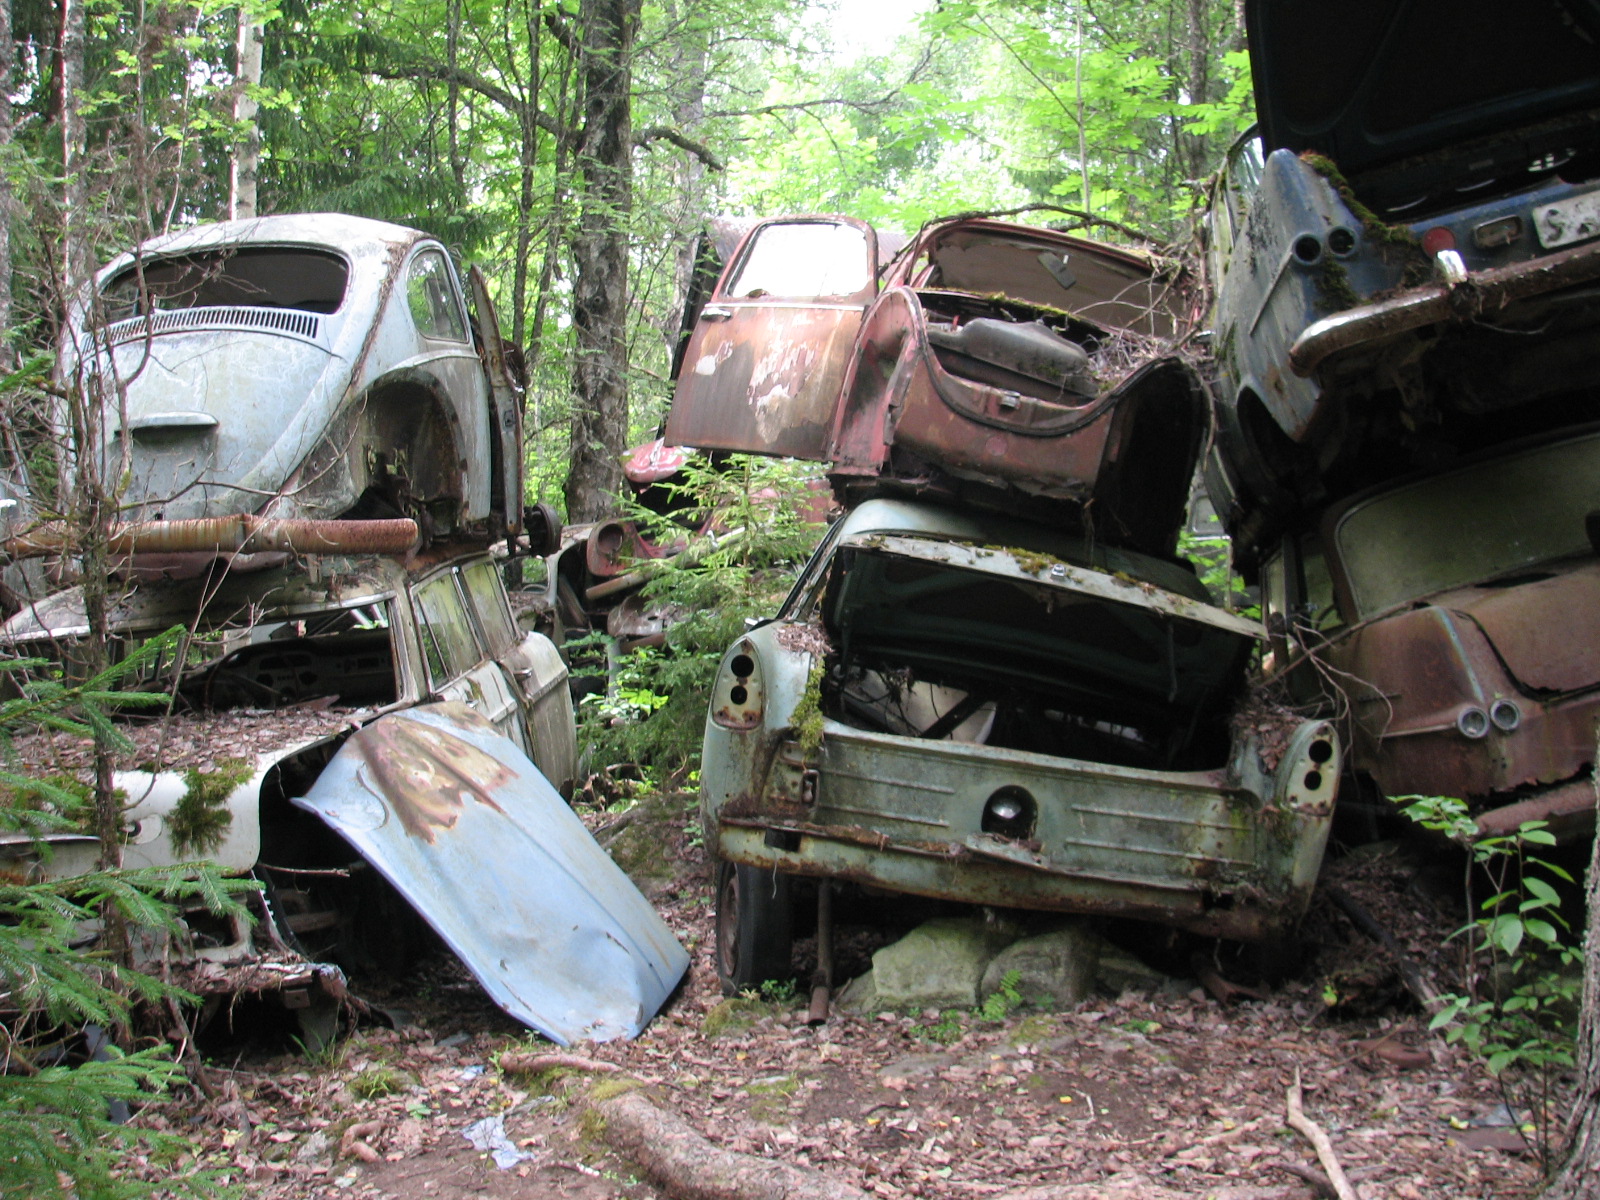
1162	1088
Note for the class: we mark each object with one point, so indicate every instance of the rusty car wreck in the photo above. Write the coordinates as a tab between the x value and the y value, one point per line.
1405	332
986	711
374	743
1406	255
1455	612
314	366
1001	365
995	682
315	446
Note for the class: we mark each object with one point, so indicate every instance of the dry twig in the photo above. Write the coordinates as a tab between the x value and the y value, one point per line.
1312	1132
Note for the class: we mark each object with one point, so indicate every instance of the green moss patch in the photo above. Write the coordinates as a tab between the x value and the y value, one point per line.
200	821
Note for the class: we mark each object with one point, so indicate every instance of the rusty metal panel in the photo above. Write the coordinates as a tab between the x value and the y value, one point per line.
240	533
1425	686
1183	848
764	366
765	379
465	827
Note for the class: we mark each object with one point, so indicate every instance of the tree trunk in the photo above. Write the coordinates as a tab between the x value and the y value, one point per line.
247	155
600	261
689	62
74	138
7	200
1579	1177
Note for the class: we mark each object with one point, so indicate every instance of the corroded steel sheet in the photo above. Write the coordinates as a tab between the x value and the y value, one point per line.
480	844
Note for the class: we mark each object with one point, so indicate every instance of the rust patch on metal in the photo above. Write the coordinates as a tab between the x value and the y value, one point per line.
425	776
240	532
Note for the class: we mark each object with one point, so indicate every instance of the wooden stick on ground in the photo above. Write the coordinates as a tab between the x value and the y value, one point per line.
1410	973
1312	1132
524	1062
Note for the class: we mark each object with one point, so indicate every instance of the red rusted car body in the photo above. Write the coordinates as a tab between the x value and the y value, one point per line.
1008	366
1454	619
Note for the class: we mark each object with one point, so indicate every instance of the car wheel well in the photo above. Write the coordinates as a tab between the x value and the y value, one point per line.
410	454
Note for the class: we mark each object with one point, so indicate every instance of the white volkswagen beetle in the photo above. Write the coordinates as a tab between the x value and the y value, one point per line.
314	366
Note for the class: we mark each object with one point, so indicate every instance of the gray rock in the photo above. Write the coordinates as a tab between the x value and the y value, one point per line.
860	995
1119	972
902	1073
939	964
1056	969
316	1147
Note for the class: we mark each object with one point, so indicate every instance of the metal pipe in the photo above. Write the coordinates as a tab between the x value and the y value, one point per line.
239	532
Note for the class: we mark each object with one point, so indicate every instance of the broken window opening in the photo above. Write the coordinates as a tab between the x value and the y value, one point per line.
432	297
343	659
925	650
804	259
261	277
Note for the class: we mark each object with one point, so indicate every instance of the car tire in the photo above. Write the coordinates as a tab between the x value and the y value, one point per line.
755	926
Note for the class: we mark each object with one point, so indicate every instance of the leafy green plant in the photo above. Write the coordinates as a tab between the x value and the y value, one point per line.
1212	556
998	1005
739	565
777	991
948	1028
1518	1010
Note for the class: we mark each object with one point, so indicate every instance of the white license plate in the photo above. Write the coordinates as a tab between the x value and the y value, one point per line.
1575	219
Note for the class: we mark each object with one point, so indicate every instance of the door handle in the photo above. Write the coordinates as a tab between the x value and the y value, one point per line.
715	312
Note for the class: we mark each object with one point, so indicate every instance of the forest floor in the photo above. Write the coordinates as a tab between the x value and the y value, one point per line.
1166	1092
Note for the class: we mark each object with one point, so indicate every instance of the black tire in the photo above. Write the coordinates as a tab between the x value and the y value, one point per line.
755	927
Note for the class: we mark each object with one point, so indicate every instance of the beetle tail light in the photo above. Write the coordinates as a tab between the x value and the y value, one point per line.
1308	773
738	697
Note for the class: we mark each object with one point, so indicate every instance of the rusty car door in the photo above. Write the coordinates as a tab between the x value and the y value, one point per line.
764	366
505	406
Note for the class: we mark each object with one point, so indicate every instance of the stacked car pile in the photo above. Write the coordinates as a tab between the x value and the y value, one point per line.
995	682
1407	328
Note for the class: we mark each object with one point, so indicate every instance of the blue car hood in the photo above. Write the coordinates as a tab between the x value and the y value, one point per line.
467	829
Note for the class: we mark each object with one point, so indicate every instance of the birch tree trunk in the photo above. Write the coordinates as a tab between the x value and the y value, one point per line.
74	139
247	155
7	200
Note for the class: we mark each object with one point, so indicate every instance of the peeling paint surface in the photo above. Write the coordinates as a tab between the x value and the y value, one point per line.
465	827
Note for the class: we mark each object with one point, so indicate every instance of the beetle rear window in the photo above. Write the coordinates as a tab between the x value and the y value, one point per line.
256	277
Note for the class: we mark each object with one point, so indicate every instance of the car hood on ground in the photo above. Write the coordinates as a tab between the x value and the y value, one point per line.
1377	81
476	839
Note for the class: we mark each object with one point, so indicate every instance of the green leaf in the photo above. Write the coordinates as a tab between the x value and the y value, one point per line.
1505	932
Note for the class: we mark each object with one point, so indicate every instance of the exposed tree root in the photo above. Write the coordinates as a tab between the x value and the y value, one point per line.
688	1167
1312	1132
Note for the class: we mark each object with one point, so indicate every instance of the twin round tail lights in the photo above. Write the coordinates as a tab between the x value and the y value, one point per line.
1475	723
1308	773
738	697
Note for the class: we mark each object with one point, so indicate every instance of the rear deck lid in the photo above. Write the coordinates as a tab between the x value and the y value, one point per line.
1489	94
